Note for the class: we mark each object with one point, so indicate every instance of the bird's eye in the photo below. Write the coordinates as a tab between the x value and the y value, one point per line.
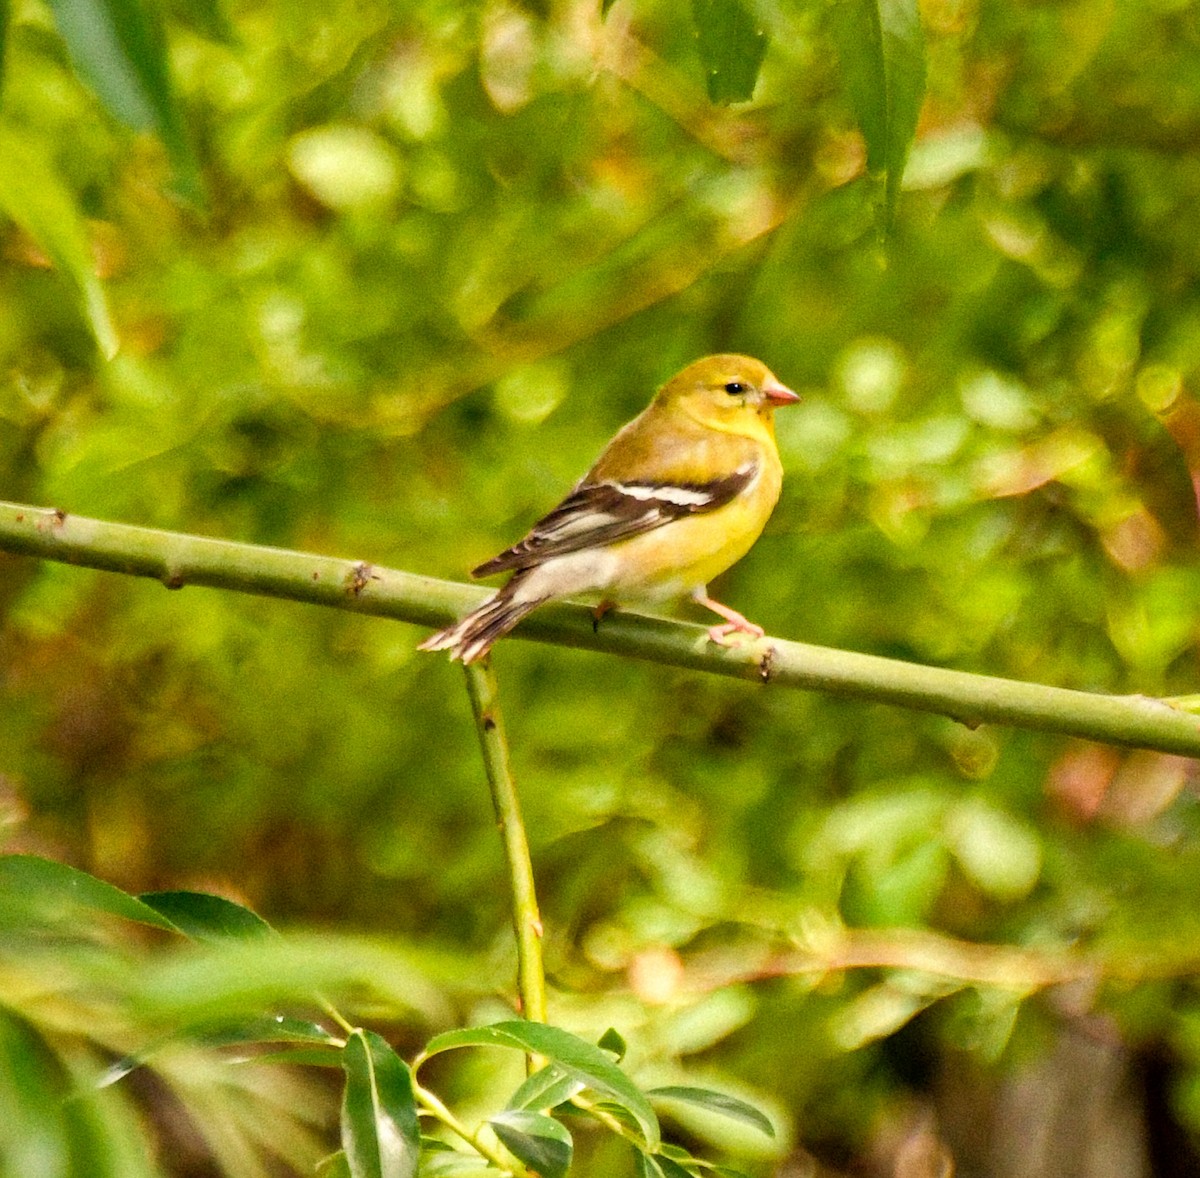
734	387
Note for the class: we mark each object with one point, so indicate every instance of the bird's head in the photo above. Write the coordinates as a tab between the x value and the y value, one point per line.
736	394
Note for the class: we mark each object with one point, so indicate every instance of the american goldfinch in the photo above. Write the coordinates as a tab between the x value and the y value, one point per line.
678	496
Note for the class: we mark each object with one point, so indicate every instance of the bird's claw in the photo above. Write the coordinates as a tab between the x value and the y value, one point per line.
723	633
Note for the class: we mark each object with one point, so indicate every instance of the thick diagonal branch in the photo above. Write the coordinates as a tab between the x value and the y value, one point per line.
177	560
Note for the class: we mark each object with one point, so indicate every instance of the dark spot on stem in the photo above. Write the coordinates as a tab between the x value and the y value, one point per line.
488	721
60	517
173	579
360	576
766	664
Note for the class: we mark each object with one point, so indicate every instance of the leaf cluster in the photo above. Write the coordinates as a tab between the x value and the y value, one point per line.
86	1117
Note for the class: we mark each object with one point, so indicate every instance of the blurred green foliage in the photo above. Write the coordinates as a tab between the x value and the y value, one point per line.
434	254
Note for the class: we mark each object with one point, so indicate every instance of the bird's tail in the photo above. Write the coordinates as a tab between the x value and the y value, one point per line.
473	637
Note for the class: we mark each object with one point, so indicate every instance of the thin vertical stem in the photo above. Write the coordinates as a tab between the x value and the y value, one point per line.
485	703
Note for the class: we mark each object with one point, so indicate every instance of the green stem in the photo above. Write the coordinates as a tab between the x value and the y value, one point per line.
440	1112
485	703
177	560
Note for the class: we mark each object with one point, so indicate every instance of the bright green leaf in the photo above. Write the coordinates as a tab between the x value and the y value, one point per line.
573	1055
882	50
56	889
732	44
718	1102
380	1133
205	917
547	1087
33	195
541	1142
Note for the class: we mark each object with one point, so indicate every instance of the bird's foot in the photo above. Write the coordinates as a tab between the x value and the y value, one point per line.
727	633
722	634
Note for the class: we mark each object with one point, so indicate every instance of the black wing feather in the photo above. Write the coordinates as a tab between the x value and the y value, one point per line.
596	514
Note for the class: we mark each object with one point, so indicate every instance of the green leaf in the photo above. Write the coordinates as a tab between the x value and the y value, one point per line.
380	1133
882	50
205	917
230	979
450	1163
660	1166
118	49
547	1087
675	1153
33	196
612	1040
646	1166
717	1102
57	890
334	1166
670	1168
35	1132
616	1112
573	1055
109	1138
541	1142
307	1057
732	45
277	1029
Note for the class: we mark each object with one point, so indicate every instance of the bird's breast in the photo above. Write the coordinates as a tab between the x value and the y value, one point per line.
690	551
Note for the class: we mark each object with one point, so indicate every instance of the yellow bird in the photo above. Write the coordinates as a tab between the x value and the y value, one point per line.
679	495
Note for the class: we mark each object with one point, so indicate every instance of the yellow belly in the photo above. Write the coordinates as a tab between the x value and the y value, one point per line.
689	552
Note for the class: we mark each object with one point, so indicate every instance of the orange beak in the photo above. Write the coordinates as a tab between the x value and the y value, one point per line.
779	394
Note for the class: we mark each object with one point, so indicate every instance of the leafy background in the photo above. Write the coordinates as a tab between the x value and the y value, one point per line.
384	278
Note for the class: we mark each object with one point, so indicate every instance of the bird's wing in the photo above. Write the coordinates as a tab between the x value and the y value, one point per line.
601	513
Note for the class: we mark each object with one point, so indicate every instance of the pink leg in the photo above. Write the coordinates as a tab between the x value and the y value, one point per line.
734	622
